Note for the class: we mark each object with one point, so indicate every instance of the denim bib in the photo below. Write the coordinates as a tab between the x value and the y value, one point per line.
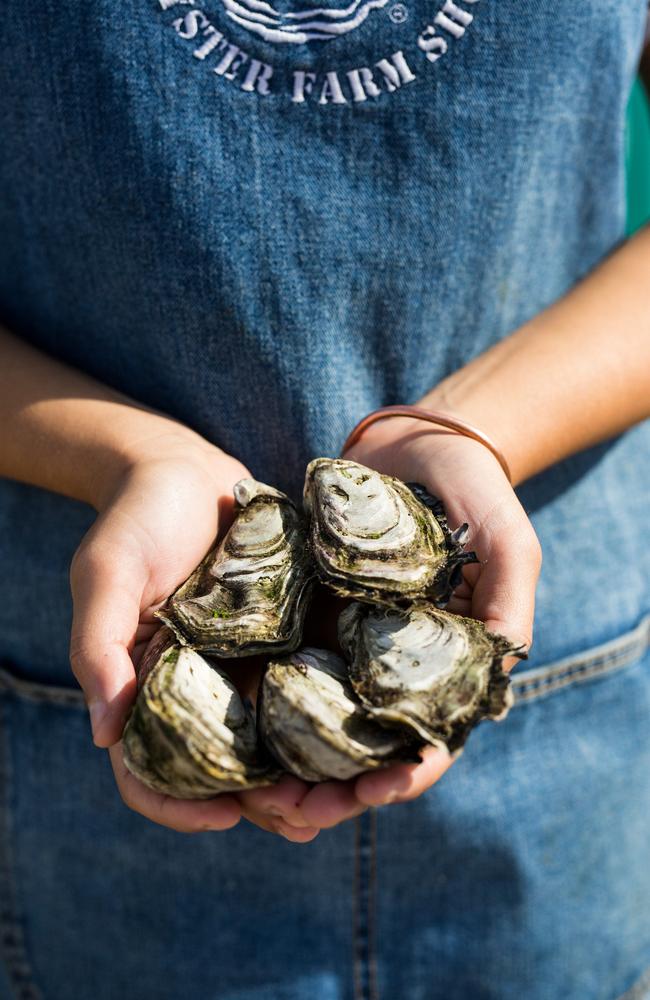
268	217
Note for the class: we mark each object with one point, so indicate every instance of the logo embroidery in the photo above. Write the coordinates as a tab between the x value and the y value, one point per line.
313	22
305	24
398	13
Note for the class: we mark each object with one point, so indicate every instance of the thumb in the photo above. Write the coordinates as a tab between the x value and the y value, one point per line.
504	595
106	612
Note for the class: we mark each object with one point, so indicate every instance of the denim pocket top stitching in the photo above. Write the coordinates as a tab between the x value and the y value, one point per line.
595	662
34	691
528	685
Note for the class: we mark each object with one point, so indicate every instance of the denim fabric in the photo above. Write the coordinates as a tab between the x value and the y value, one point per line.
268	269
523	873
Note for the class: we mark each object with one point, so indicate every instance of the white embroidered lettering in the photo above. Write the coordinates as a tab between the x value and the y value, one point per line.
395	71
335	86
214	38
453	19
303	83
331	89
362	84
234	58
189	25
258	77
432	44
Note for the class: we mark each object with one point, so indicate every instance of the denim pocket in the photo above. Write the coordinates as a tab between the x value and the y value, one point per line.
516	838
98	903
36	692
597	661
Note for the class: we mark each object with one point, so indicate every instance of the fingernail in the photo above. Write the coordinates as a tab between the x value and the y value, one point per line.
274	811
286	830
97	711
390	797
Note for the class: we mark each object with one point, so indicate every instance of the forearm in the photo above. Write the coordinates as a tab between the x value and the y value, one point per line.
66	432
577	374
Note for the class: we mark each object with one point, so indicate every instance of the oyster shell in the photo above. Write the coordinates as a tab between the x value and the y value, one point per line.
438	674
190	735
378	539
250	593
312	723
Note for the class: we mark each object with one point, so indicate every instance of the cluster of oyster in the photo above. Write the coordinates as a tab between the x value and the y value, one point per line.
413	673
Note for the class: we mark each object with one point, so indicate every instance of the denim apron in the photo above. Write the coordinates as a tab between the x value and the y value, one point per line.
267	219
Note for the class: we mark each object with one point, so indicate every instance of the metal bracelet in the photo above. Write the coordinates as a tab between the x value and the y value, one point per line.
431	417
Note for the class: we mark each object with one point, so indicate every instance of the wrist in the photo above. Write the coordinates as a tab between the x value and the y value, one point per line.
465	396
64	431
404	446
140	439
430	417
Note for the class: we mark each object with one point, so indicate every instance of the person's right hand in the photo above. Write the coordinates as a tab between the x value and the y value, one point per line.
156	522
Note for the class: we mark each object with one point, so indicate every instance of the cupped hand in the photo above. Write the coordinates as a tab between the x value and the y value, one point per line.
499	589
157	521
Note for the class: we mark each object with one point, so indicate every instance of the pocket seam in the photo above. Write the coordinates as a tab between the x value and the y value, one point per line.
35	691
595	662
528	685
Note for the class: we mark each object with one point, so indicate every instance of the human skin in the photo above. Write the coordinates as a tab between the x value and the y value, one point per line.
580	371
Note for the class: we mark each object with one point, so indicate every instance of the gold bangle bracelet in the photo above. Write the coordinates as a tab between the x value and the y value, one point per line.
431	417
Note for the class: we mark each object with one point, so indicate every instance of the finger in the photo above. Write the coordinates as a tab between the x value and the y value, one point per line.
460	602
104	625
183	815
297	835
459	606
146	630
137	652
403	781
330	803
280	801
504	595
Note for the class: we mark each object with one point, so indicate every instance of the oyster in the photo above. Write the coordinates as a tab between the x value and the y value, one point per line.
312	723
378	539
434	672
250	593
190	735
417	674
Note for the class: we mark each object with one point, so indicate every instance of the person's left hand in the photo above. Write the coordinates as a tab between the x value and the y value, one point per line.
499	590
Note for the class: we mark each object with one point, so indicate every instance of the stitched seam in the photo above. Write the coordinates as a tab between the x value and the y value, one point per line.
610	657
640	990
576	675
363	983
34	691
373	987
358	989
640	635
12	938
596	663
